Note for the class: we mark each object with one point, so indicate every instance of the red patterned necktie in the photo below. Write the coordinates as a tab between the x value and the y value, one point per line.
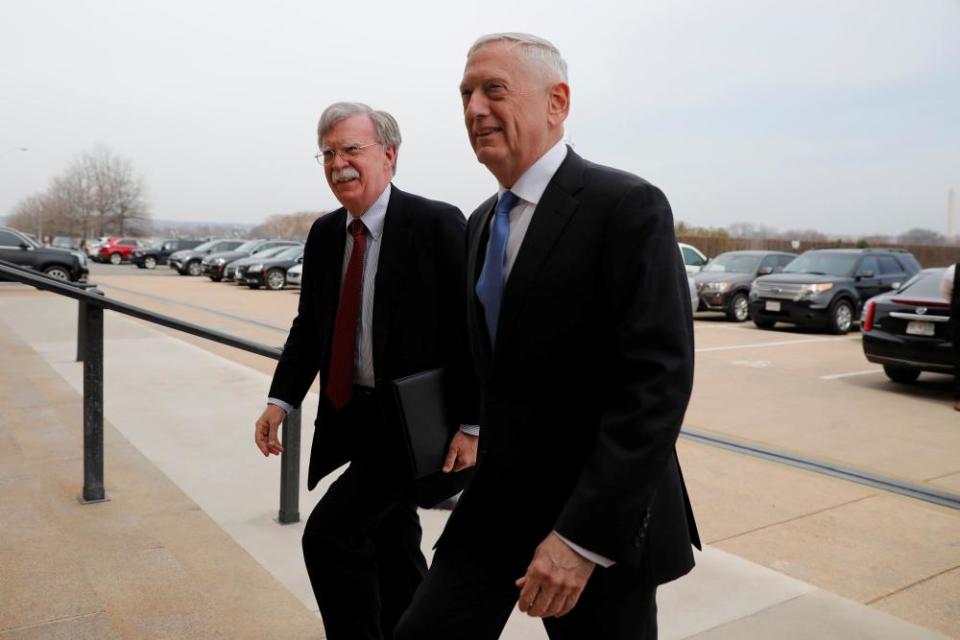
340	383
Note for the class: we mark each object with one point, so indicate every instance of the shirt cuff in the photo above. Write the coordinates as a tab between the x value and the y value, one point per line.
470	429
595	558
280	403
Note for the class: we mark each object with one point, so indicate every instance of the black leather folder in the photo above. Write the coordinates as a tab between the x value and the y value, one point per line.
422	408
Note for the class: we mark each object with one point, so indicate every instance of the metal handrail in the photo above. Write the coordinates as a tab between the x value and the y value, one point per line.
90	351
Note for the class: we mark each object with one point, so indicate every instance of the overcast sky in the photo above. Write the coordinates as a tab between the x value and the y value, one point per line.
835	115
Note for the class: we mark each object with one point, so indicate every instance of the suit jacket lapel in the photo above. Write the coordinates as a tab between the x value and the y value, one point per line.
476	252
549	220
329	267
395	245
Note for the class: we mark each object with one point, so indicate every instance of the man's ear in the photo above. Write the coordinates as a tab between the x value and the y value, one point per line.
391	153
558	104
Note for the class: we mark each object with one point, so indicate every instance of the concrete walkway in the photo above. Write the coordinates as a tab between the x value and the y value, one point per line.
188	546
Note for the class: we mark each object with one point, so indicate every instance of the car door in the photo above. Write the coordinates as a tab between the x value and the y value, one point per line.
11	250
892	273
867	278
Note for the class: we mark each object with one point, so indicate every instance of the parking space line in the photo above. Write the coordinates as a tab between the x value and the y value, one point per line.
755	345
851	374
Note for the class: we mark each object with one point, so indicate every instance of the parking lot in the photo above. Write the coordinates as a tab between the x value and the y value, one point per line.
796	391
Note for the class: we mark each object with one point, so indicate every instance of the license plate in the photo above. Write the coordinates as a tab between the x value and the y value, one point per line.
772	306
917	328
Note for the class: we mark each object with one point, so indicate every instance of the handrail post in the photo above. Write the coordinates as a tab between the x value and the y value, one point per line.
81	329
93	406
290	469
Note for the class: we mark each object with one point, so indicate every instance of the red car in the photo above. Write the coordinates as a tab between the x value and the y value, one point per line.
116	250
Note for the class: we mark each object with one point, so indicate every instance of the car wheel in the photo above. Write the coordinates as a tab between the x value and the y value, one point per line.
276	279
115	258
194	268
764	324
150	262
906	375
841	317
738	309
57	273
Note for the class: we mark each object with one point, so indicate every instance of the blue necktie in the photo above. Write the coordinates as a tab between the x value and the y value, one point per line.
490	285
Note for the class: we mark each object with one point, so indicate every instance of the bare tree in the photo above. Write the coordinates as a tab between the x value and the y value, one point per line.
98	194
921	236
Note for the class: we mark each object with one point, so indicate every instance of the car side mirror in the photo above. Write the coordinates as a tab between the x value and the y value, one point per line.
895	285
765	271
300	260
25	246
865	274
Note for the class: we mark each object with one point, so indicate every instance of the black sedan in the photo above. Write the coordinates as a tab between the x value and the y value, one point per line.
271	272
909	330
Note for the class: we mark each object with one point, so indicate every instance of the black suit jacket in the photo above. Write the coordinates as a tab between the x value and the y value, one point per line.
583	397
418	311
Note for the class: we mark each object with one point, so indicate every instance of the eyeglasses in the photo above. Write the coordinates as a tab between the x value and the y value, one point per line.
327	156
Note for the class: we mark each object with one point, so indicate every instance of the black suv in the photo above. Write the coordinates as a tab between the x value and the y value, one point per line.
21	250
187	261
827	287
150	257
724	283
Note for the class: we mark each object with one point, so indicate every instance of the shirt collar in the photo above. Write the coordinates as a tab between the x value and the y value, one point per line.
374	217
530	186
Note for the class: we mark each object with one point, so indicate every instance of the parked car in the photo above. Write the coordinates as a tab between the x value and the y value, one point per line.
116	250
64	242
827	287
92	246
214	265
908	330
294	274
159	253
230	271
724	283
693	258
21	250
271	272
187	262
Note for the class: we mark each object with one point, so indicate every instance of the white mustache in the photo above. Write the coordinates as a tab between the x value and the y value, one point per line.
345	174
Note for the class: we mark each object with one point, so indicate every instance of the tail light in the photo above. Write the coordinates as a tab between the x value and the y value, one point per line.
868	315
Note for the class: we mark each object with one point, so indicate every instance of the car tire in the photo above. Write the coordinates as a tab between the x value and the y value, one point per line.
216	278
738	309
58	273
253	286
840	318
194	268
904	375
275	279
115	258
149	262
764	324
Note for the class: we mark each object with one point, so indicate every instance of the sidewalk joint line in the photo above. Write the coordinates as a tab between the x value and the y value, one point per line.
793	519
911	585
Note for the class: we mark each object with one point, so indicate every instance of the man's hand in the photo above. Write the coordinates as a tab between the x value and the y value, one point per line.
267	426
462	453
555	579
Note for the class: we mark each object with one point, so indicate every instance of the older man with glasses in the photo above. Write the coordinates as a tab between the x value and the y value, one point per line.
381	297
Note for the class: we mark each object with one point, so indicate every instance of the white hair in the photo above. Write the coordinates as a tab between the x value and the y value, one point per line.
385	126
533	48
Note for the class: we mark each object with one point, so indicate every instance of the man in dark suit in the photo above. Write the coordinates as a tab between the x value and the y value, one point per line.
580	328
381	297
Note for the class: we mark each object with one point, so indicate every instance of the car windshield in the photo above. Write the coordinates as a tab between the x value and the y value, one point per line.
289	253
248	246
271	252
206	245
824	264
925	284
733	263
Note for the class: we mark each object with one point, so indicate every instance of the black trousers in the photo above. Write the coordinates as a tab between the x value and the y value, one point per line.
361	543
469	595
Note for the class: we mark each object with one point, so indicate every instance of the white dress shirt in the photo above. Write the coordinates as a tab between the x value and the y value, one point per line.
529	189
